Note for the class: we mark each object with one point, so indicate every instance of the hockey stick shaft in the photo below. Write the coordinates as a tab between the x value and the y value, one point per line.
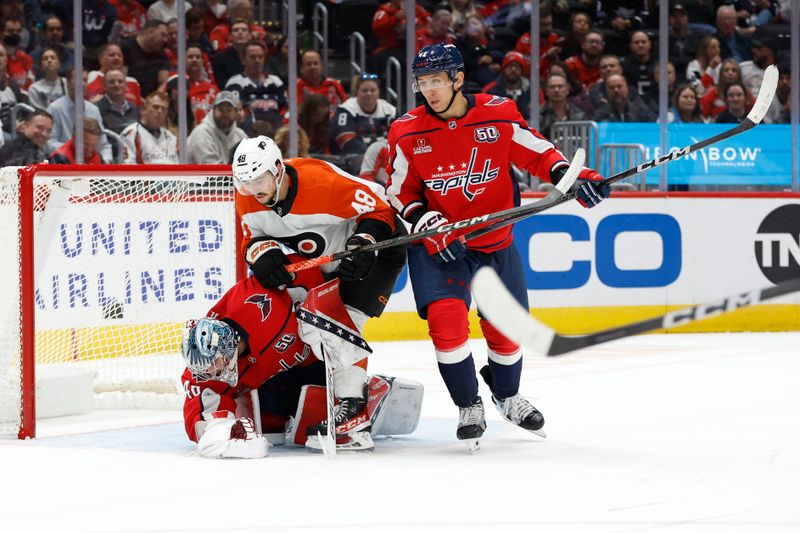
680	317
765	96
553	198
498	306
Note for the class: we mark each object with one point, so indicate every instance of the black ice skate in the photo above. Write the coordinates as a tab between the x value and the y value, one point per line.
353	427
471	425
516	409
520	412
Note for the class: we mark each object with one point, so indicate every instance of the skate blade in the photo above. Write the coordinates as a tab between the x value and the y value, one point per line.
539	432
473	445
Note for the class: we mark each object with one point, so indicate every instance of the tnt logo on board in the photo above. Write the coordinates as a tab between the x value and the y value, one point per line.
777	244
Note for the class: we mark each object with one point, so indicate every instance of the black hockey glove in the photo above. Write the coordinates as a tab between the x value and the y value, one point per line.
359	266
267	261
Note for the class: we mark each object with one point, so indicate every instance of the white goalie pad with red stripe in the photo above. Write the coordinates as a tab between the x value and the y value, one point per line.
326	326
394	407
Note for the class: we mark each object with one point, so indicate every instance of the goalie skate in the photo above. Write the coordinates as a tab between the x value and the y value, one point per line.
353	428
471	425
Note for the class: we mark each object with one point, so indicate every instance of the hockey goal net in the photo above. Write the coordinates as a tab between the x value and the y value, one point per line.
101	266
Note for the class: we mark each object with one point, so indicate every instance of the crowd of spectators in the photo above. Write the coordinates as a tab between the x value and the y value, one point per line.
598	61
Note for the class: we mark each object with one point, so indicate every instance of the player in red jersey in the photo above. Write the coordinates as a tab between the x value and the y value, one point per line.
312	208
449	160
253	357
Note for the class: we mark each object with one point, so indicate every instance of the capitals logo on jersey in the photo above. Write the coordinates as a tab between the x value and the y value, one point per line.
263	303
466	180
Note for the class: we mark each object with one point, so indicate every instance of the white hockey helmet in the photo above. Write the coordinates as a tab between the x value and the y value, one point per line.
210	351
254	158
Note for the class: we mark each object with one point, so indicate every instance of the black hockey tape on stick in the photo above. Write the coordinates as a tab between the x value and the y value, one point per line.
497	305
753	119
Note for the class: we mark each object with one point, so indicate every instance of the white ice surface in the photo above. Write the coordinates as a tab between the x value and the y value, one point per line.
667	433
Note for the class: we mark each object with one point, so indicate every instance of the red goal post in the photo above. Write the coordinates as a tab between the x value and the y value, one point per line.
102	265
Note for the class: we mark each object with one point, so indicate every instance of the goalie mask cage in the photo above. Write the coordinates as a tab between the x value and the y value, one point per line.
101	267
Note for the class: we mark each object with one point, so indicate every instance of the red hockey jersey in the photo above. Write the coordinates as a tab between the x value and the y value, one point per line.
265	320
461	167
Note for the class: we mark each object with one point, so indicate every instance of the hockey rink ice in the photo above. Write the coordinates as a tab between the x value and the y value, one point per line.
697	432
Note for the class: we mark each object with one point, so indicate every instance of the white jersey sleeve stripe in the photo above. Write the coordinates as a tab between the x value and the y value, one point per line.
525	138
398	177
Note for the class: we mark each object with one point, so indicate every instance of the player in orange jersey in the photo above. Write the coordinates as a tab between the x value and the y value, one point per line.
313	208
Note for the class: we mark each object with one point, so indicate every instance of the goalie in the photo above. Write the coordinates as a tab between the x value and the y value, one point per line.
248	365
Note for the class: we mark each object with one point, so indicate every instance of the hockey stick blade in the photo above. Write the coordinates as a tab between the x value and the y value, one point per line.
498	306
553	198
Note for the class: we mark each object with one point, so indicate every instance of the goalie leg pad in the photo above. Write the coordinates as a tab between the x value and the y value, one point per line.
394	407
326	325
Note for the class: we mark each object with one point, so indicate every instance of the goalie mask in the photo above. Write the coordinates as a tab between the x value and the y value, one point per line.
255	161
209	350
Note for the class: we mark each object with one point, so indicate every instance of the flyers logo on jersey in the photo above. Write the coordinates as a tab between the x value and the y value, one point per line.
466	182
263	303
422	147
486	135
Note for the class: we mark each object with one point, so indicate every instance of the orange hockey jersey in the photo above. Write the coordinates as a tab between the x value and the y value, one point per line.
321	211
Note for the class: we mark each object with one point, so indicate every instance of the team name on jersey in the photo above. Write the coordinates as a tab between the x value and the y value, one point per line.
445	181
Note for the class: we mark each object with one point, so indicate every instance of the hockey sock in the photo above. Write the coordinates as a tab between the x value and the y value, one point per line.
448	326
504	374
460	380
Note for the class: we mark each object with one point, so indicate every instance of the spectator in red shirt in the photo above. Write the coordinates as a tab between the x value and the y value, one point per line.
237	10
131	16
200	90
586	66
111	58
312	81
20	64
389	25
65	154
549	45
437	30
215	12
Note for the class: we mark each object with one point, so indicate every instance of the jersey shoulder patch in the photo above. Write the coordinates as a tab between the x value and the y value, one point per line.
406	118
497	100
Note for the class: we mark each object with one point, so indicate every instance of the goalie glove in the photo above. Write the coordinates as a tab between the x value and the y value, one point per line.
267	261
589	185
443	247
358	266
228	437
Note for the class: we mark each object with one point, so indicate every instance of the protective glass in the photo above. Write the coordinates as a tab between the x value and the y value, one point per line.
430	84
253	187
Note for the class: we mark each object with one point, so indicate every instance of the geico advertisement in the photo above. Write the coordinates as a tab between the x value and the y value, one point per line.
106	265
653	251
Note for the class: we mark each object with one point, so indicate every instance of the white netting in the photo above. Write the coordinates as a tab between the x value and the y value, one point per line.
10	385
121	262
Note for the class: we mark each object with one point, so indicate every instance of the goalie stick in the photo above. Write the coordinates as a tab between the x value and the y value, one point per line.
501	309
553	198
753	119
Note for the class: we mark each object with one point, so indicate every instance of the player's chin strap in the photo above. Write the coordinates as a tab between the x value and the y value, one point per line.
450	103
